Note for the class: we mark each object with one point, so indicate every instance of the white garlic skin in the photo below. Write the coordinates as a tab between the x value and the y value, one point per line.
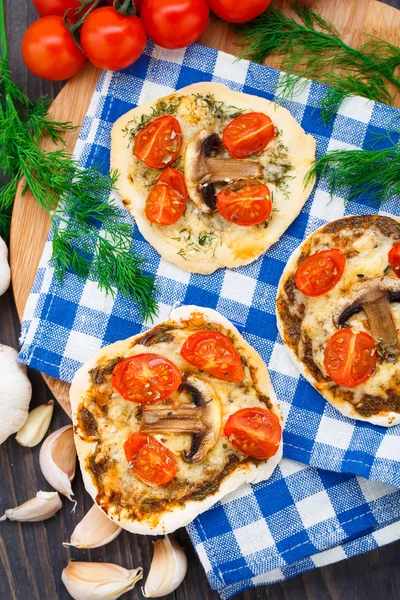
98	581
15	392
36	425
94	530
43	506
168	568
57	460
5	273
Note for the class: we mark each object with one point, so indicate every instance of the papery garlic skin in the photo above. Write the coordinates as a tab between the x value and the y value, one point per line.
15	392
43	506
5	273
36	425
168	568
57	460
98	581
95	530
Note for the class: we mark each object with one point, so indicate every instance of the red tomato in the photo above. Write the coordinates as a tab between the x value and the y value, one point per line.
245	202
174	23
149	460
214	353
254	431
320	272
236	11
248	134
49	50
350	357
394	259
159	143
146	378
166	202
112	41
56	7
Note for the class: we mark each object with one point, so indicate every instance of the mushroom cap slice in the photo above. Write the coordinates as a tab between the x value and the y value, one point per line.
194	173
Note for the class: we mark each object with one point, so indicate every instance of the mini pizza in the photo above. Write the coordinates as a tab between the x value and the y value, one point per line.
339	315
212	177
169	421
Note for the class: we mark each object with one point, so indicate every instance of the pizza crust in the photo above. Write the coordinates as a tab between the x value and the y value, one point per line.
248	473
389	419
246	244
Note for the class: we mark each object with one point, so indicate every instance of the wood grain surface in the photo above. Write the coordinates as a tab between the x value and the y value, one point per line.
31	555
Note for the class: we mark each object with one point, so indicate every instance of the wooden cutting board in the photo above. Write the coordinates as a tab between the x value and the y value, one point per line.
30	224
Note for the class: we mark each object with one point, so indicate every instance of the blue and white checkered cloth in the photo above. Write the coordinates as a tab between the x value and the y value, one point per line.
304	516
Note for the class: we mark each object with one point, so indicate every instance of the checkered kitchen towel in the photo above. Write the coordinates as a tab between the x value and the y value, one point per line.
303	510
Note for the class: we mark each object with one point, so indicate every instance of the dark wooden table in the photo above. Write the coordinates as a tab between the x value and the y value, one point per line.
32	556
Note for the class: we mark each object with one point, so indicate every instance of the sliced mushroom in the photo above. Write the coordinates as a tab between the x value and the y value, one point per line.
201	420
202	170
373	296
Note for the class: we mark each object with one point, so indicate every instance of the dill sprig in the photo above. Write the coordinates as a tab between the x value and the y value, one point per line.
89	234
313	49
369	175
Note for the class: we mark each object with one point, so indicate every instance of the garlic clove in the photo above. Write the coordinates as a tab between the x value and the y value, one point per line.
5	273
57	460
36	425
168	568
43	506
95	530
93	581
15	392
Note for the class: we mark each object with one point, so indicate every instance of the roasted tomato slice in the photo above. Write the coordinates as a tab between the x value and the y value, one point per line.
248	134
167	200
214	353
149	460
394	259
320	272
350	357
146	378
245	203
254	431
159	143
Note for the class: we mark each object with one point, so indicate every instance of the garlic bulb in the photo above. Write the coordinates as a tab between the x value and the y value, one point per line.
15	392
57	460
43	506
97	581
36	425
5	274
168	568
95	530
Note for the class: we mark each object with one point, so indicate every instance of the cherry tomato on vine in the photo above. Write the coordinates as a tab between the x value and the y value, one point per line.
248	134
149	460
174	23
112	41
238	11
159	143
254	431
49	50
320	272
394	258
350	357
245	202
55	7
167	199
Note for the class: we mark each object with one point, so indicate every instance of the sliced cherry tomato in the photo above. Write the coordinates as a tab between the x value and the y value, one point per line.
245	203
350	357
238	12
159	143
320	272
394	259
248	134
112	41
49	50
149	460
254	431
146	378
174	23
214	353
166	202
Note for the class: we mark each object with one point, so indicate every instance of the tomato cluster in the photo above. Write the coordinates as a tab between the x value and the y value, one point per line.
114	38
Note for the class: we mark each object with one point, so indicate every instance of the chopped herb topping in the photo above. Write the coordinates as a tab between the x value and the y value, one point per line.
162	107
217	108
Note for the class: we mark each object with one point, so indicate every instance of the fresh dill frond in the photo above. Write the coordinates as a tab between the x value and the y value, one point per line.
313	49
